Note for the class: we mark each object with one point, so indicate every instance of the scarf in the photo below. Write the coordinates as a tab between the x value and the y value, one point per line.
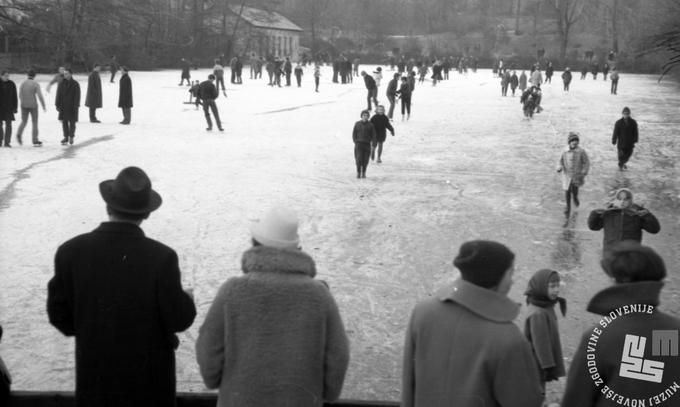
537	291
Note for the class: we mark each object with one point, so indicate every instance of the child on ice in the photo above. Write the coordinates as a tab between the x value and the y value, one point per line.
574	166
541	327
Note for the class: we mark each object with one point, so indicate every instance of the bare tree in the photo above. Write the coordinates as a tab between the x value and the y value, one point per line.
568	14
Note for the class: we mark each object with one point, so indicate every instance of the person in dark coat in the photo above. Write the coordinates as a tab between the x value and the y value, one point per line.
274	335
584	71
404	93
9	103
595	68
381	124
624	137
298	74
113	67
186	72
119	293
278	71
622	219
239	70
125	95
363	136
288	70
462	348
391	93
549	72
514	81
566	78
623	354
67	102
371	89
93	97
207	93
541	328
605	71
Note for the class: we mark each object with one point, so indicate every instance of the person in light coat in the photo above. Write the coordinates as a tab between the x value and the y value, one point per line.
274	336
574	166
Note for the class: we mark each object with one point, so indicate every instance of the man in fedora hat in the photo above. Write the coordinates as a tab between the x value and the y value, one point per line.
274	335
120	294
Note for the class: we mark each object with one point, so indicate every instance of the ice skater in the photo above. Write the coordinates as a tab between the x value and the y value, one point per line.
317	76
58	77
381	124
522	82
207	92
363	136
218	71
573	166
622	219
67	103
193	94
298	74
93	97
8	107
392	93
113	68
186	72
514	81
549	73
125	94
404	93
566	78
624	137
371	89
29	94
615	81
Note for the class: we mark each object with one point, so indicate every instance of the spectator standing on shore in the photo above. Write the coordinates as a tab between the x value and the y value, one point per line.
637	272
288	70
622	219
29	94
67	103
298	74
125	95
541	328
624	137
9	103
274	336
462	348
93	96
120	295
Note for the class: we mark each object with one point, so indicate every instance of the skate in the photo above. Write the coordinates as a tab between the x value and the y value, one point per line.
38	144
64	141
70	140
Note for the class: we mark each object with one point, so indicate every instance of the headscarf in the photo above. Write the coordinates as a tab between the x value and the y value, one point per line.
537	291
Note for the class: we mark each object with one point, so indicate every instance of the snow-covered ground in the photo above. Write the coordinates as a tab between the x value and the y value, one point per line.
467	165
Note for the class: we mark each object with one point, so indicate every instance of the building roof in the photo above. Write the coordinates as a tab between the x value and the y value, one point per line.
265	19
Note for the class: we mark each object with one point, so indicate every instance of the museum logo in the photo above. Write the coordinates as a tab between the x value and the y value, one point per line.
634	363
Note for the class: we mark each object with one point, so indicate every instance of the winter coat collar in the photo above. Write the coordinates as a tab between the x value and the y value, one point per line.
618	295
120	227
266	259
486	303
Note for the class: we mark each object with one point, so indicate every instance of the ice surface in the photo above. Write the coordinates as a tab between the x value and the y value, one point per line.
467	165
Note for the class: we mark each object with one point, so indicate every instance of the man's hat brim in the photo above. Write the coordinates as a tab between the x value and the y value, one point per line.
106	191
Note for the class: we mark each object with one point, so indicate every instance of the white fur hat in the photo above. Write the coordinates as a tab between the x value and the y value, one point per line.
278	228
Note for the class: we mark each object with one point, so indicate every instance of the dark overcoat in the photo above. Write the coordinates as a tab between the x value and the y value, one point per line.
68	99
119	293
8	100
625	133
93	97
125	94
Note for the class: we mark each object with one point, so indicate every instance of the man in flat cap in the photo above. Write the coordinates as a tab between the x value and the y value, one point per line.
119	293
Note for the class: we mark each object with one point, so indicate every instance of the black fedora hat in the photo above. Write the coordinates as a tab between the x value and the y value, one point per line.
130	192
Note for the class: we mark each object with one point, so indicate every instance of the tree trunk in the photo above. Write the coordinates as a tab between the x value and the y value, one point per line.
517	11
313	27
615	34
537	12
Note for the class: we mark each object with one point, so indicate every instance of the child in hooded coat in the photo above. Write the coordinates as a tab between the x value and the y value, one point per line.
574	166
541	328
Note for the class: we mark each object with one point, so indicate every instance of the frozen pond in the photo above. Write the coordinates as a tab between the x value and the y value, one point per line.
467	165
